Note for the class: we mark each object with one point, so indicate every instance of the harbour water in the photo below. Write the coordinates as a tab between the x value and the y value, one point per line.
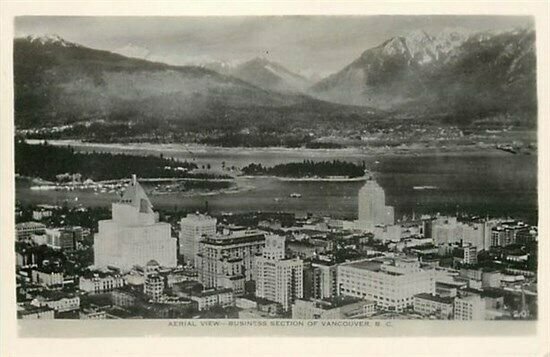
490	183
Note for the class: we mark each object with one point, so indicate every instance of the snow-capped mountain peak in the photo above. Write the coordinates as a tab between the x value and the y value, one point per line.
49	39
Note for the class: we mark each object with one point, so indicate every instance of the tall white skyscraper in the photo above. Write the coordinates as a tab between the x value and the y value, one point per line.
133	236
193	228
372	205
279	279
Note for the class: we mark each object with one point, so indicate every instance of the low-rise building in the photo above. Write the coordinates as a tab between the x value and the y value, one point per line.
491	279
25	230
180	276
433	305
58	301
337	308
244	303
465	254
124	297
40	214
93	313
469	307
47	277
31	312
100	283
210	298
448	289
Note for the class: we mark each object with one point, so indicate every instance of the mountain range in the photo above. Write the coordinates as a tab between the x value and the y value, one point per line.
59	82
452	75
265	74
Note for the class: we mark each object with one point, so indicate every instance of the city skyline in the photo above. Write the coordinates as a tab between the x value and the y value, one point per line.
264	270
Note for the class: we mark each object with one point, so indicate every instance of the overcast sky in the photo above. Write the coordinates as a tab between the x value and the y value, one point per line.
308	45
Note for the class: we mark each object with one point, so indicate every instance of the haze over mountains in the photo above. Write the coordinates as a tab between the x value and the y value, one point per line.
449	73
455	76
61	82
264	74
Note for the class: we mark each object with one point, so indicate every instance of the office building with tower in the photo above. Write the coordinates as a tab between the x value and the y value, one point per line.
279	279
227	259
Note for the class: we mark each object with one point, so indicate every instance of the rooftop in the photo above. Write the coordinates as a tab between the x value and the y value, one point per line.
201	217
211	292
372	265
336	302
27	309
52	295
28	225
444	300
236	238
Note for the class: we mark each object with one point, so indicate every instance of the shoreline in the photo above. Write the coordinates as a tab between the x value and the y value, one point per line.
413	150
306	179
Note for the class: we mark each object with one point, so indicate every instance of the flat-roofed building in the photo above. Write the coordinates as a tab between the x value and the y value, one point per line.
97	283
227	260
47	277
25	230
40	214
60	302
125	297
433	305
447	230
390	282
210	298
491	279
92	313
30	312
444	289
342	307
469	307
193	228
279	279
324	280
69	238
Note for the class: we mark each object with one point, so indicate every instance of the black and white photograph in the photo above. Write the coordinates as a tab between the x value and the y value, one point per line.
257	171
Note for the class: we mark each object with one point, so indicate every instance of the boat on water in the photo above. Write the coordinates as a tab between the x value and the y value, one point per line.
425	188
295	195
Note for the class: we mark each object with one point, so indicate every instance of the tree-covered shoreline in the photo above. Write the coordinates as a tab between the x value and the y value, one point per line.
48	162
308	168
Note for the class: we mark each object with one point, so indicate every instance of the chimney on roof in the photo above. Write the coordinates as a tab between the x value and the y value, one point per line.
134	179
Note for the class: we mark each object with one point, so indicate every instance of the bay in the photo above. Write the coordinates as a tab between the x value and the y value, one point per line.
482	182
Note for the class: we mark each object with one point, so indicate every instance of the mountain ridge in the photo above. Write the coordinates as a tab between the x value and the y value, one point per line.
59	83
263	73
443	73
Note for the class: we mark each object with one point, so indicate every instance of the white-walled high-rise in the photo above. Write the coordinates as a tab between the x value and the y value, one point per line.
279	279
372	206
193	228
133	236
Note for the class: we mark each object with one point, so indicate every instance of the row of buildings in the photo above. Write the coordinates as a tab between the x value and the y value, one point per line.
136	259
